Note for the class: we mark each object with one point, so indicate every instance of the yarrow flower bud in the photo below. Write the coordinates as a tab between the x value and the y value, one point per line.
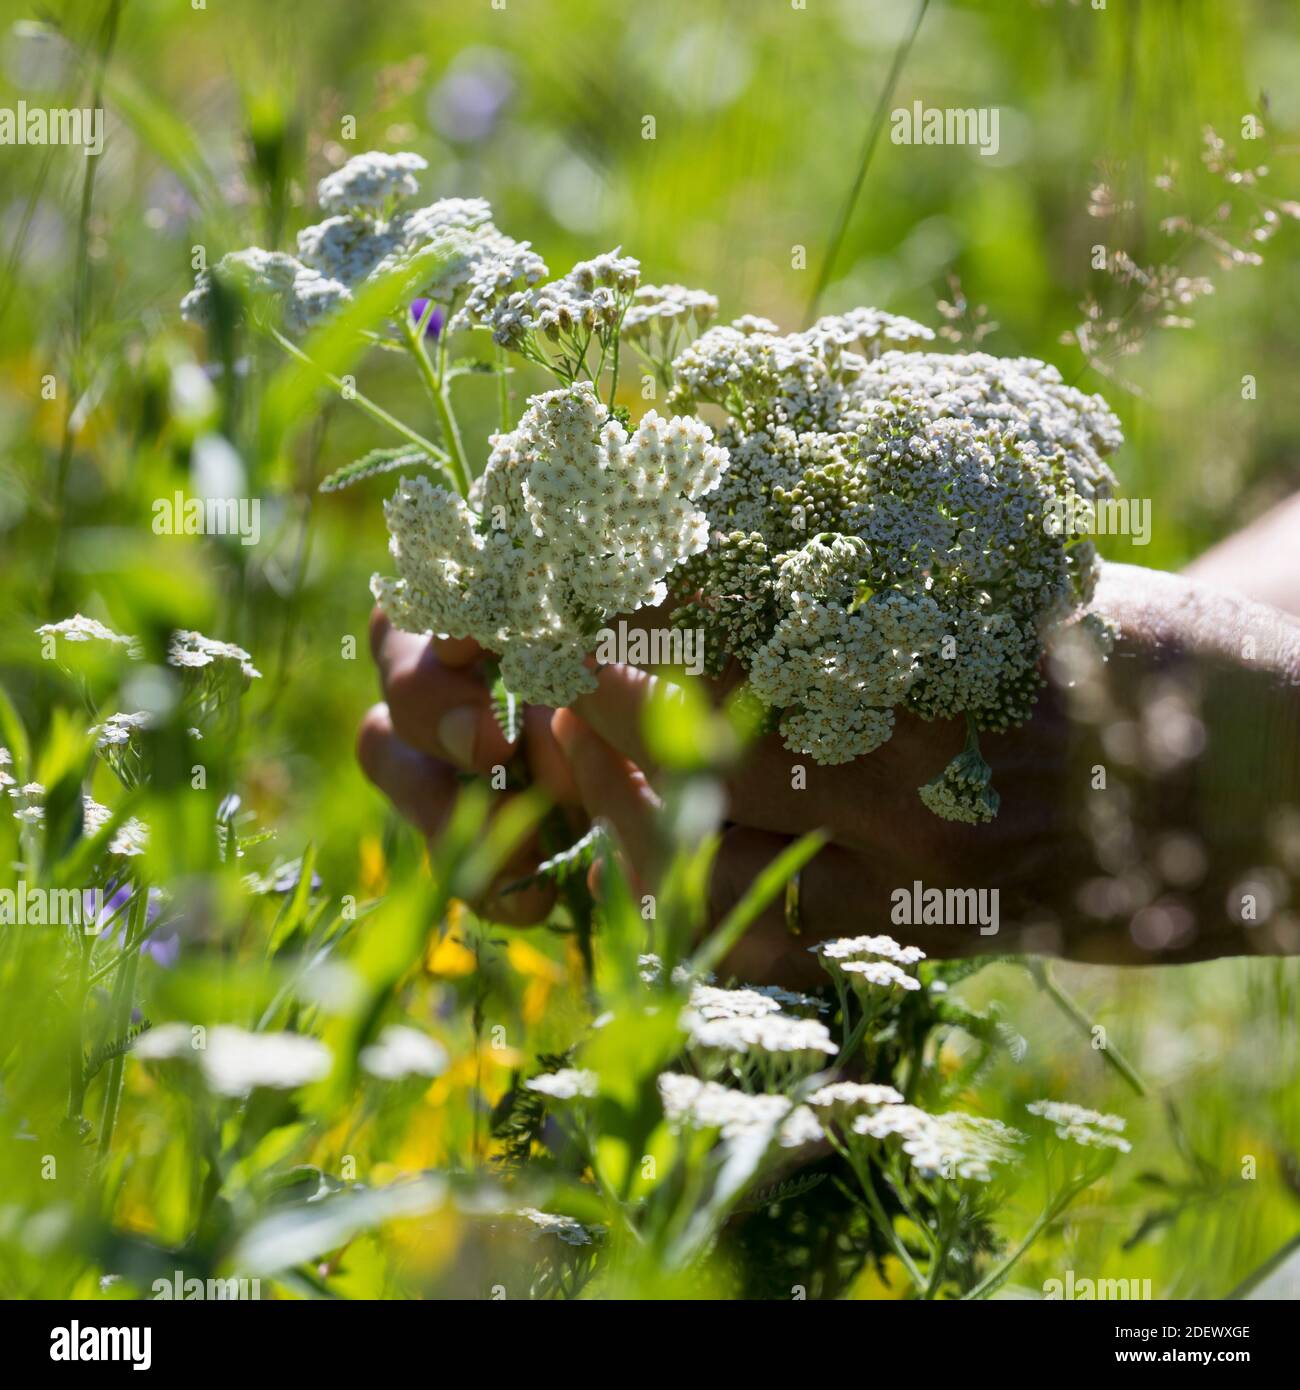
961	791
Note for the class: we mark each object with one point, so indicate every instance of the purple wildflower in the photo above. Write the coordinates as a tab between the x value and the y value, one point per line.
110	909
467	105
419	307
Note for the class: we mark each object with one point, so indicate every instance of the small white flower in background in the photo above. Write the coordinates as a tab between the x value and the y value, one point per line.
772	1033
1091	1128
842	1096
951	1145
708	1002
118	729
6	762
82	629
569	1083
568	1230
29	799
400	1052
882	974
166	1042
234	1061
855	947
688	1101
129	839
651	970
194	651
370	181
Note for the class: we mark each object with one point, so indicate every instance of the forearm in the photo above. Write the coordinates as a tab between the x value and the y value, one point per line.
1191	746
1261	562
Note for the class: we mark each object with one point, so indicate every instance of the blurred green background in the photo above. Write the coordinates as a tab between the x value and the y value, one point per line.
220	119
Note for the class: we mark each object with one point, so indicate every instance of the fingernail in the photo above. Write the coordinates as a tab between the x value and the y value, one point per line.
457	734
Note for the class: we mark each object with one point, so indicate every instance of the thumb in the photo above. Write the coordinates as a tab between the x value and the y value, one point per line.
614	790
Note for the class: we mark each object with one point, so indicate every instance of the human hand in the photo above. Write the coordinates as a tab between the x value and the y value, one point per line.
1109	844
435	724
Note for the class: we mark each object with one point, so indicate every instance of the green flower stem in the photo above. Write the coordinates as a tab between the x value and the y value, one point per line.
1112	1056
120	1014
878	1212
376	412
503	391
1115	1059
76	1056
613	377
939	1263
437	385
878	118
996	1277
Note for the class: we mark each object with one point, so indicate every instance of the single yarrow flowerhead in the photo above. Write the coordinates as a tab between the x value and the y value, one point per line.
694	1104
194	651
858	947
299	297
129	839
1090	1128
369	182
659	311
574	520
450	252
79	628
951	1145
569	1083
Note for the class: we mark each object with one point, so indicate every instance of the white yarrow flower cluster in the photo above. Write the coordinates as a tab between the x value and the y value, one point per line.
234	1061
455	254
29	802
369	182
882	537
842	1097
569	1083
882	974
302	296
1091	1128
661	308
400	1051
194	651
118	730
951	1145
129	839
878	962
709	1002
691	1103
82	629
855	947
574	520
591	298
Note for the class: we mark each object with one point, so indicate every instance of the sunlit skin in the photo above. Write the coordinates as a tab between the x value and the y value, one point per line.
1195	662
